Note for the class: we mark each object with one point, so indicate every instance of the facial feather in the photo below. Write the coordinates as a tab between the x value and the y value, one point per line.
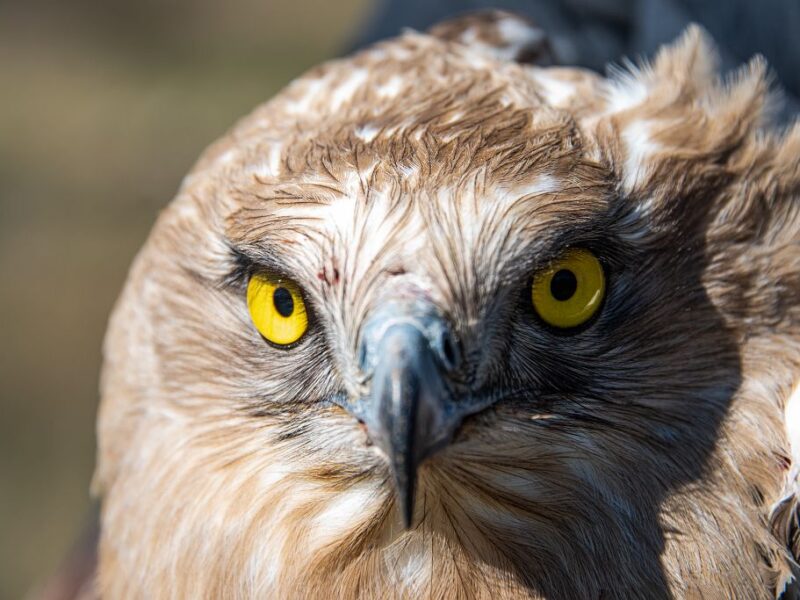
640	455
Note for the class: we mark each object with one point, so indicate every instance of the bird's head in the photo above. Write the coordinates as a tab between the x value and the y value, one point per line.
428	311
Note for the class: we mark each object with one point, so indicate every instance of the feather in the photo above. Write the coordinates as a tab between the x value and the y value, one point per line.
638	454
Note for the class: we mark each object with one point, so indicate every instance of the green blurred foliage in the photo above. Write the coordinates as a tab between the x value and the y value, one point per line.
104	105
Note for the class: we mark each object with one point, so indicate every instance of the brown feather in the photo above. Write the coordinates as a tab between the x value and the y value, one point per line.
640	457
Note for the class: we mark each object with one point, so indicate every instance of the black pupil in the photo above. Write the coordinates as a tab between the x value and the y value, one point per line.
282	298
563	285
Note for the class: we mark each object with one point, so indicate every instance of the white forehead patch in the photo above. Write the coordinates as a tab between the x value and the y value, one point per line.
475	213
360	229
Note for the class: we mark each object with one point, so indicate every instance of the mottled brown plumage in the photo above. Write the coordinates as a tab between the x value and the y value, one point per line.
650	454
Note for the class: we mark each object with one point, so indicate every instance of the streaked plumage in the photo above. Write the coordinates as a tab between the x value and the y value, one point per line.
651	454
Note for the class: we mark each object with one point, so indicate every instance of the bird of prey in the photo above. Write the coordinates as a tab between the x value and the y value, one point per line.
439	321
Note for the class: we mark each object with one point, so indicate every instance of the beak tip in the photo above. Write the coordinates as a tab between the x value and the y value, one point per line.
406	493
408	514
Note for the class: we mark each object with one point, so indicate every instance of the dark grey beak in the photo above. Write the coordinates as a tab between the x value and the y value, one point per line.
408	354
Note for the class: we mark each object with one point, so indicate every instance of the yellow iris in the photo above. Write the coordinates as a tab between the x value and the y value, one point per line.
569	292
277	308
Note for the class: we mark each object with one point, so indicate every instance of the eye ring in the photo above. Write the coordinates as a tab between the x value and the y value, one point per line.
277	308
569	291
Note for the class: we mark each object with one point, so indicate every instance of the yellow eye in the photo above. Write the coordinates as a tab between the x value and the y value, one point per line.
568	292
277	308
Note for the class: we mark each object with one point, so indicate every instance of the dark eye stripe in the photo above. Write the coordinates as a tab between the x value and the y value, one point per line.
284	304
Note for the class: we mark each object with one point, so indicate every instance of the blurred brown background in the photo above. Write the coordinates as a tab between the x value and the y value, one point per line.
104	105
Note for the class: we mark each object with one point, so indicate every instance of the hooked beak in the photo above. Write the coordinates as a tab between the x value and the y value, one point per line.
408	354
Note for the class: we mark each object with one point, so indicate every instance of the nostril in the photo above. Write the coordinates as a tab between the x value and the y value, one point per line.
449	351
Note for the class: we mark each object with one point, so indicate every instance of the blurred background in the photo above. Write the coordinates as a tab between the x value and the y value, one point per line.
104	106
